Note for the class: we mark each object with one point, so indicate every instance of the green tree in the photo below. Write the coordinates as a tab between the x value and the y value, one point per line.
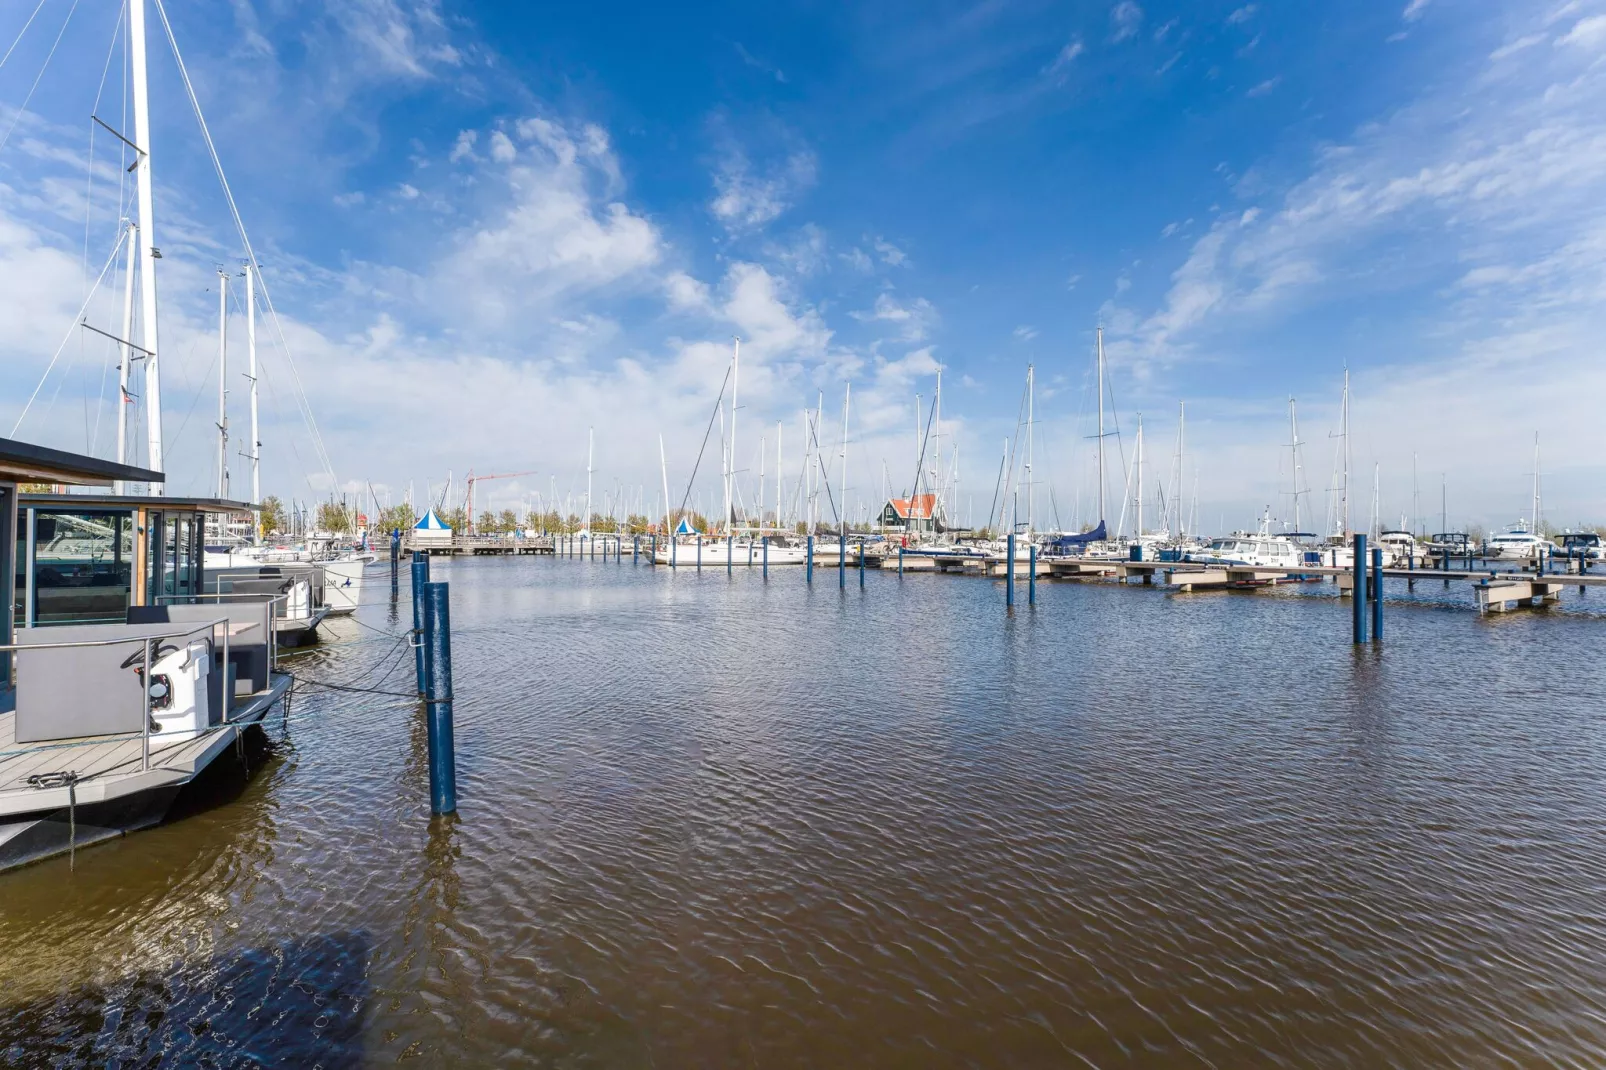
396	518
457	520
333	516
507	521
270	516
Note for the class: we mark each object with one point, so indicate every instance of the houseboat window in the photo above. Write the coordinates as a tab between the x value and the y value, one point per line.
81	567
175	553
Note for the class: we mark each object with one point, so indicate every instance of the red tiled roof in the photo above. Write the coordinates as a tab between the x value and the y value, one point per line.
924	506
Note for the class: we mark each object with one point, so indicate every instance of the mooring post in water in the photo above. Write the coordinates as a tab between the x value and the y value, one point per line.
1377	594
699	552
1031	575
420	577
442	760
1358	594
766	557
1009	571
861	564
635	549
900	562
808	562
842	560
395	557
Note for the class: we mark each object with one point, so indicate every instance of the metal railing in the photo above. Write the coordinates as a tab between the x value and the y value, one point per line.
145	687
241	597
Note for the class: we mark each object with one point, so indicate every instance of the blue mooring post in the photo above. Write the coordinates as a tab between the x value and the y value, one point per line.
766	557
900	562
808	562
861	564
1009	572
1359	591
442	757
1031	575
699	552
420	577
395	557
842	560
1377	594
635	549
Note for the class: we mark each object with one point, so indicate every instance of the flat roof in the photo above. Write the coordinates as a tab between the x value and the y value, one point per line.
23	462
134	501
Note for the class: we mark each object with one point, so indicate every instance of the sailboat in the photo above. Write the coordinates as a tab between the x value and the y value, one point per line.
1095	542
725	546
1522	540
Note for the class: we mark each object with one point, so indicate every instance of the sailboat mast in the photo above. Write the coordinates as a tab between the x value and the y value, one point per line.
1293	450
736	379
1182	427
847	393
251	373
1345	490
148	254
1139	529
125	355
1101	423
1031	486
1535	526
222	384
590	441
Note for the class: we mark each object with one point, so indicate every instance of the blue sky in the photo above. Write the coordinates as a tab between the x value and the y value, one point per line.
488	227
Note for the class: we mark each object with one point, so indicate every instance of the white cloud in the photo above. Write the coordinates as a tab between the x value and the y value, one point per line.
463	149
1586	33
502	150
1516	46
1065	58
890	254
1413	10
1125	18
914	319
745	201
1265	87
1240	15
407	191
858	259
1025	333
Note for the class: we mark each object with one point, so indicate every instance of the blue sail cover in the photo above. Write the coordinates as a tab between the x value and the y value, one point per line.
1073	542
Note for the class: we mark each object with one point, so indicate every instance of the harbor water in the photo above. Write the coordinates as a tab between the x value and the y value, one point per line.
713	820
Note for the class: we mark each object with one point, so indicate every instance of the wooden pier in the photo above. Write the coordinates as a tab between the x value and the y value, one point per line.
476	545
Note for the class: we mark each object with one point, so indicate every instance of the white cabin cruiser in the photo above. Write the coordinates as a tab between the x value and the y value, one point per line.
1261	549
1518	542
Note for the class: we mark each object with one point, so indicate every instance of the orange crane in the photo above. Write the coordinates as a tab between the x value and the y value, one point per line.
473	479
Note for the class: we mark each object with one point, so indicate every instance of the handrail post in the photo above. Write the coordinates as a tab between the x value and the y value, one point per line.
145	728
442	757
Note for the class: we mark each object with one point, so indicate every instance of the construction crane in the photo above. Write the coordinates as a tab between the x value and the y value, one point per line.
473	479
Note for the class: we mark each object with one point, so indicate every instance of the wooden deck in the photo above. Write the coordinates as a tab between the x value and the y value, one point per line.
110	768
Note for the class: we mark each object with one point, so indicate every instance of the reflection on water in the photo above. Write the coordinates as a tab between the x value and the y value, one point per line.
710	820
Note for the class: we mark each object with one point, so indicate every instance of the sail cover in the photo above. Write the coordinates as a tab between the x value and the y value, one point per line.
1071	542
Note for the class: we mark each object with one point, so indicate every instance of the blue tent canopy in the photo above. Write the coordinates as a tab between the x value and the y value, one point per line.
431	522
1072	542
685	528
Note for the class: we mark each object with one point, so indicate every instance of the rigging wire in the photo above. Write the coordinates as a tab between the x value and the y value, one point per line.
76	323
17	118
89	189
37	8
239	224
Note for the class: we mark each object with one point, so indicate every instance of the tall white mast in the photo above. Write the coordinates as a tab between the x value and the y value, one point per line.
1293	449
847	392
1101	423
222	384
1031	485
251	374
1182	523
1534	527
934	484
780	474
1139	529
590	441
762	443
148	253
126	355
736	382
1345	490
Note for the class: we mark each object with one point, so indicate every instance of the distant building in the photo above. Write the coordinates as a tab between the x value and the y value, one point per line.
911	514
